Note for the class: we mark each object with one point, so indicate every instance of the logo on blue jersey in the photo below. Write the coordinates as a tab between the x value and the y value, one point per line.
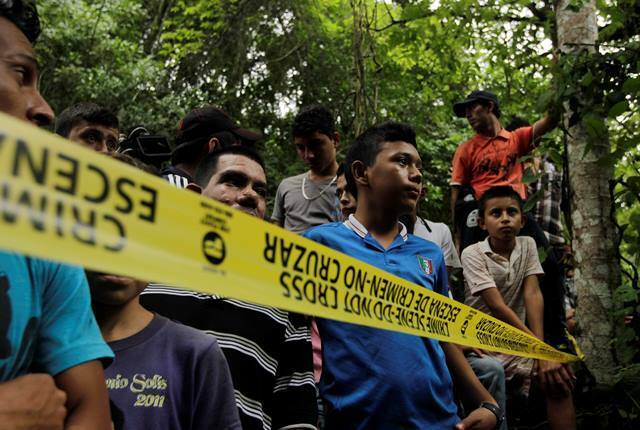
425	264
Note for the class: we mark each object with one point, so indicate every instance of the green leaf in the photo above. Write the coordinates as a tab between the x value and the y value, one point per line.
542	254
631	86
595	126
555	156
528	176
618	109
545	100
532	200
525	158
634	183
587	79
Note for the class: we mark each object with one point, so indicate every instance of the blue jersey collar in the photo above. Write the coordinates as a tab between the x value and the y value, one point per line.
357	227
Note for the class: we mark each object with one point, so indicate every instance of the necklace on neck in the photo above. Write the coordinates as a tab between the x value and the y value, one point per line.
304	183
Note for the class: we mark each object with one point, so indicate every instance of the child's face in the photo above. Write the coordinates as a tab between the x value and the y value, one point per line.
347	201
318	151
395	178
113	290
502	218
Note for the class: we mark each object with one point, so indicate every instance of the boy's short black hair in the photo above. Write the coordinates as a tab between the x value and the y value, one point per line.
209	165
498	192
367	146
313	119
24	14
85	111
342	171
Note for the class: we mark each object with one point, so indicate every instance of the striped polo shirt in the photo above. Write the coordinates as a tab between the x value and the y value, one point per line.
268	351
176	177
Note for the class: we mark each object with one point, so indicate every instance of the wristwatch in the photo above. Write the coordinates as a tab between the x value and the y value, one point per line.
497	411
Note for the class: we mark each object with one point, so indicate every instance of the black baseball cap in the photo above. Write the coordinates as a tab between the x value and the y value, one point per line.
474	97
202	123
24	15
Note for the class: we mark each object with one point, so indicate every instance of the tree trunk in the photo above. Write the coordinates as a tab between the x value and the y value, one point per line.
597	272
360	108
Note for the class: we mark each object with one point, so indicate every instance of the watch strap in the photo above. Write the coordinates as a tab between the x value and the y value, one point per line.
496	410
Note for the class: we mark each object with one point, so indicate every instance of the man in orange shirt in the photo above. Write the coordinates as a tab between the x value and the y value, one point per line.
490	158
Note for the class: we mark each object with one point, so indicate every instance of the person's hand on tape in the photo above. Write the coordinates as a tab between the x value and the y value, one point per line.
32	402
554	377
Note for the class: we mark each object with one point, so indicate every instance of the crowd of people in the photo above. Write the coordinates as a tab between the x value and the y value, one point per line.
88	350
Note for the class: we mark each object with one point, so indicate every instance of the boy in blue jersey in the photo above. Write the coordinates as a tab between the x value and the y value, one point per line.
379	379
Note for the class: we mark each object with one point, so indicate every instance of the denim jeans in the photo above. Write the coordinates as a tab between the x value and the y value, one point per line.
491	374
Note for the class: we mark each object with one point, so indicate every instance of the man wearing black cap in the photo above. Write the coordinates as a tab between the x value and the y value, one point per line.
202	131
490	158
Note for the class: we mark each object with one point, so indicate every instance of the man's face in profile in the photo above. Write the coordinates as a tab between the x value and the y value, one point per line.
19	94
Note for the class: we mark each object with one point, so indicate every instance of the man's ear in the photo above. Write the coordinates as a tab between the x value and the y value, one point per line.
192	186
359	173
491	107
336	137
213	144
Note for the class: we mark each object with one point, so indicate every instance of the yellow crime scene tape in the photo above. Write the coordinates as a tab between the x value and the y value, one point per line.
63	202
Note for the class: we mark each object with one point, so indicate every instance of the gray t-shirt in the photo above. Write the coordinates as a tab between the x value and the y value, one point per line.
298	214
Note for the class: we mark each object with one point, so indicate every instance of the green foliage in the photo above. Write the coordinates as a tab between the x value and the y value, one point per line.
151	61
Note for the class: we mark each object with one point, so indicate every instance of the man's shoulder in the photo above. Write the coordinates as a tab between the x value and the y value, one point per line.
326	231
176	176
526	242
472	250
419	242
292	181
439	229
191	301
186	337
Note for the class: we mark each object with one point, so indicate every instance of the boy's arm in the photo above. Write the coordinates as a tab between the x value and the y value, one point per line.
277	216
500	310
473	391
87	399
544	125
534	306
552	375
455	192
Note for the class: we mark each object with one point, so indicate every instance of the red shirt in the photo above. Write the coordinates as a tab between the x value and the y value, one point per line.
484	162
